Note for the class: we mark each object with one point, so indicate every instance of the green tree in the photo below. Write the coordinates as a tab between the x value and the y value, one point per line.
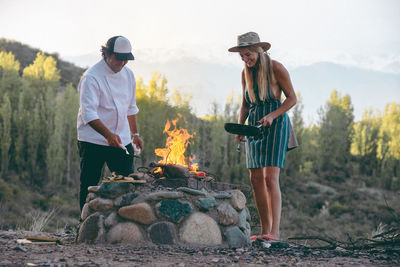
295	159
364	144
5	132
62	155
335	136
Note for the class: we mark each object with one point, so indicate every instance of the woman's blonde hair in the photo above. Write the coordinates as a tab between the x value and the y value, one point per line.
265	75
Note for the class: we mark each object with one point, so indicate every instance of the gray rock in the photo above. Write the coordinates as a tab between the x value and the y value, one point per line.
205	204
85	211
222	195
235	237
112	219
125	200
174	209
243	224
164	195
93	189
90	196
126	232
100	204
92	229
141	213
113	189
200	229
238	200
192	191
227	215
163	233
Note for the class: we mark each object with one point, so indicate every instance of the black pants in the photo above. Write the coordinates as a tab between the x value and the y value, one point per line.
93	158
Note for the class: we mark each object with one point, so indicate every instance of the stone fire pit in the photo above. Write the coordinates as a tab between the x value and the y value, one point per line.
176	212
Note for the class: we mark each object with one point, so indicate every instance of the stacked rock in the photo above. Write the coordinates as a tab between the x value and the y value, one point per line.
131	213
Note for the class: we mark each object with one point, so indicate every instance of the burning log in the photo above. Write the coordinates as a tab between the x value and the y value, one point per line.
172	171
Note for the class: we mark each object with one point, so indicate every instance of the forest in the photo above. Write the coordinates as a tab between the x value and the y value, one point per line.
343	178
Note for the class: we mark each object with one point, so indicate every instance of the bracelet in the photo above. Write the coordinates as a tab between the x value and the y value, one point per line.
135	134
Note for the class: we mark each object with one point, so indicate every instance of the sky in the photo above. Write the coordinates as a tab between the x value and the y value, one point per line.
359	32
362	33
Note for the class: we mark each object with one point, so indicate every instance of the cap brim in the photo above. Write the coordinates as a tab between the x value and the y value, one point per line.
124	56
263	45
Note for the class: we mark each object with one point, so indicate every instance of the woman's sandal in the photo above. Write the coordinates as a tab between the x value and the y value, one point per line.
267	238
262	238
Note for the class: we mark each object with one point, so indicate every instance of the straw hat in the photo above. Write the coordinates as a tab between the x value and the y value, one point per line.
249	39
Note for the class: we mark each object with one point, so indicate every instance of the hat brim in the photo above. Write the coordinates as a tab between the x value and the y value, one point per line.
264	45
124	56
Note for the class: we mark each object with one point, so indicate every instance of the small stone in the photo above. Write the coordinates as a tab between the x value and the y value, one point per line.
18	248
162	233
200	229
85	211
111	219
5	263
238	200
226	214
205	204
141	213
90	196
243	224
113	189
125	200
126	232
174	209
92	229
101	204
222	196
236	237
191	191
93	189
164	195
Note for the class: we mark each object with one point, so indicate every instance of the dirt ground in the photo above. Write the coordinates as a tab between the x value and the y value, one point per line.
70	254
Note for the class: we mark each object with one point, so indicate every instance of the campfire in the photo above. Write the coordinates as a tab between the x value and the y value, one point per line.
174	163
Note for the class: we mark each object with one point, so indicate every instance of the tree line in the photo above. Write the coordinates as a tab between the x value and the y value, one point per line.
38	133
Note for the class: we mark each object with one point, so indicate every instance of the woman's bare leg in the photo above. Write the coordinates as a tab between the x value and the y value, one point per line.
271	175
258	183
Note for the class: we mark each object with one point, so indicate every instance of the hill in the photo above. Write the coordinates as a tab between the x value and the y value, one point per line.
70	73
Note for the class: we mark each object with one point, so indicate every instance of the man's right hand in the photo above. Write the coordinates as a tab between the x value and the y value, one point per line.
114	140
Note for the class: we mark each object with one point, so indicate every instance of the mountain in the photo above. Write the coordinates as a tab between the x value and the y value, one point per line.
25	54
208	80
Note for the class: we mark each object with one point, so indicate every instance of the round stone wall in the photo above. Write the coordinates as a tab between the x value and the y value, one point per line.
132	213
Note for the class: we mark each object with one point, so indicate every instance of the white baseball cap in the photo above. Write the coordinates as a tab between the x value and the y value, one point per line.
120	47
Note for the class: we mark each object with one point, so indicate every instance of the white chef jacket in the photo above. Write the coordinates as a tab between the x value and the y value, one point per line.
108	96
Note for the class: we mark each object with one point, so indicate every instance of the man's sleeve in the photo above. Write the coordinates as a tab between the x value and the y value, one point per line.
89	95
133	109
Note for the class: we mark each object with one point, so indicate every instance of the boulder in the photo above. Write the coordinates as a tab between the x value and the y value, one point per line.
226	214
113	189
141	213
125	232
92	229
205	204
174	209
162	233
200	229
100	204
238	200
236	237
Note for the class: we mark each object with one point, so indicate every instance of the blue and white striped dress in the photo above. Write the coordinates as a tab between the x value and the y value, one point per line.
270	150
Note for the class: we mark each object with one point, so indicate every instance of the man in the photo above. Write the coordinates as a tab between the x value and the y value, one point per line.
107	115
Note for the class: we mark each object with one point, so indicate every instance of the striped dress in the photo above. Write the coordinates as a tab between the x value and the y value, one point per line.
270	150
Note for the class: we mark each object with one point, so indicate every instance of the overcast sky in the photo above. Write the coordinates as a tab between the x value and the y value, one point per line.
357	32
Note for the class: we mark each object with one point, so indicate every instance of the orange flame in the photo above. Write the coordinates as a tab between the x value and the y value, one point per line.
176	144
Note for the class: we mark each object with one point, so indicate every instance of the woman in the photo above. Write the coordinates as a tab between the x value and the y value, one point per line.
263	81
